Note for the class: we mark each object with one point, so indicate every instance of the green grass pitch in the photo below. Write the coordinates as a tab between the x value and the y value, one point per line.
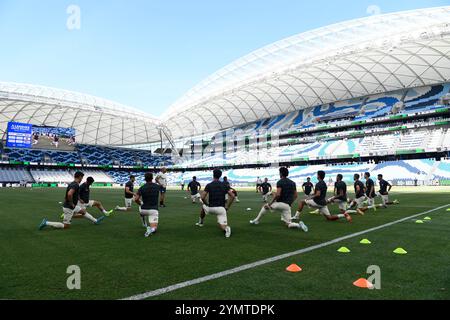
116	260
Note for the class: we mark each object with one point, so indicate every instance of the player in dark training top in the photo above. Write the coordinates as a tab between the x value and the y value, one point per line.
340	194
318	201
71	206
360	196
129	194
85	200
194	188
214	202
385	188
228	184
147	198
266	190
308	187
282	201
370	193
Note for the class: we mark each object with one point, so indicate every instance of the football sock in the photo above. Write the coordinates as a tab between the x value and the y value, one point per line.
90	218
261	213
56	225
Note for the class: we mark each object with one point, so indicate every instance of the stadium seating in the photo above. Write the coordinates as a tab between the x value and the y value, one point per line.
122	177
94	155
41	156
10	175
52	176
408	170
64	157
410	101
125	157
25	155
425	98
379	105
99	176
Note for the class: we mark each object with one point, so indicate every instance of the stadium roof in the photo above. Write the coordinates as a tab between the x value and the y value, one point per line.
347	60
342	61
96	120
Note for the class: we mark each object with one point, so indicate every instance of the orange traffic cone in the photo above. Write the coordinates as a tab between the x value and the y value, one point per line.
363	283
293	268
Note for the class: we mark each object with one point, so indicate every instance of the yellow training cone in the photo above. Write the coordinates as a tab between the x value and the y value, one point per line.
293	268
400	251
365	241
419	221
344	250
427	218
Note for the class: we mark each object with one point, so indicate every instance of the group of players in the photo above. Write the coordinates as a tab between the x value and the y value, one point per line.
218	196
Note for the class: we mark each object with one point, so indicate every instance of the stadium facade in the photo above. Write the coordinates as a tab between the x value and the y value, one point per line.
368	90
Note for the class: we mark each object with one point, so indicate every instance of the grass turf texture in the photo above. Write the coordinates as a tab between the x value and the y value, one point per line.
116	260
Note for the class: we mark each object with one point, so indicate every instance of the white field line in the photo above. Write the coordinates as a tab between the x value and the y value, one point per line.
244	267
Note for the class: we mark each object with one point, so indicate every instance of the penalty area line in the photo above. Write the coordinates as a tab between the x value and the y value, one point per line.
252	265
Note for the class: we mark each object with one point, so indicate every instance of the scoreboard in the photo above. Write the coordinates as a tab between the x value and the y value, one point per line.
19	135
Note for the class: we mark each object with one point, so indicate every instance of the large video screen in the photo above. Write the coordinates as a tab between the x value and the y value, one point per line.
24	135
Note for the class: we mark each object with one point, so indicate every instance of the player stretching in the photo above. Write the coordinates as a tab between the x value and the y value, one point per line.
228	184
360	197
129	194
282	201
194	187
147	198
370	193
86	203
71	206
318	201
216	191
308	187
385	188
161	179
340	194
266	190
258	184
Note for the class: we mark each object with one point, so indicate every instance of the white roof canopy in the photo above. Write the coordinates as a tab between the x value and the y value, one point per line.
96	120
347	60
343	61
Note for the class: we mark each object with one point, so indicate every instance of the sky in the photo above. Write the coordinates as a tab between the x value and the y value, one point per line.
147	53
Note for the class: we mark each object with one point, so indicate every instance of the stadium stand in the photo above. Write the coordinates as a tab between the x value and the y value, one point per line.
98	175
86	154
426	171
122	177
51	176
94	155
11	175
365	127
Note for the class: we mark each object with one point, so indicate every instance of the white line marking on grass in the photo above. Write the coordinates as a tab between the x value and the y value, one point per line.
244	267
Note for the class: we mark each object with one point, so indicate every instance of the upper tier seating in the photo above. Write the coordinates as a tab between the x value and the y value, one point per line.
94	155
29	155
425	98
122	177
416	100
119	156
